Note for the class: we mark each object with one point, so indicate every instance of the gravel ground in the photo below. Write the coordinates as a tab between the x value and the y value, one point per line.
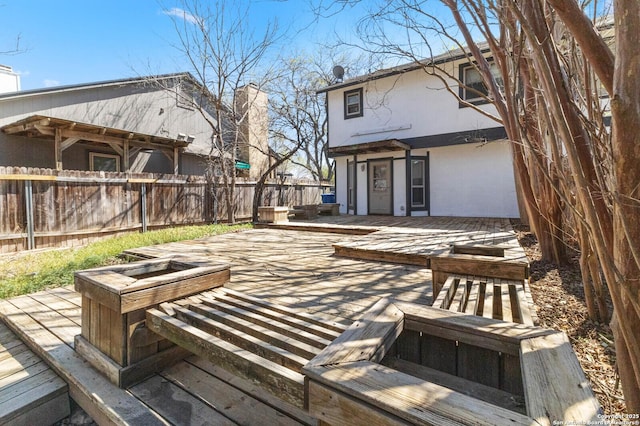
559	298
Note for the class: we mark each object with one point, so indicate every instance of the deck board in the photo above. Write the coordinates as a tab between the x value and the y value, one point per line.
28	386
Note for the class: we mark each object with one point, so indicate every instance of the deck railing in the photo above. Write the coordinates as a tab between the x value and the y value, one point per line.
43	208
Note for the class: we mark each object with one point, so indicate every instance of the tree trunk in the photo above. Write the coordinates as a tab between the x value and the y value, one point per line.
626	227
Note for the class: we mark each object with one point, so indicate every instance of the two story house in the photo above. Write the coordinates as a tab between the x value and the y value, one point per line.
405	146
146	124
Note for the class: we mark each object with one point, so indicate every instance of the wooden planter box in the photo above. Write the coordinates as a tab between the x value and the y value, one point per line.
114	301
273	214
406	363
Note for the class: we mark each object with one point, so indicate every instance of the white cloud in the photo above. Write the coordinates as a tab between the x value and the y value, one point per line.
182	14
50	83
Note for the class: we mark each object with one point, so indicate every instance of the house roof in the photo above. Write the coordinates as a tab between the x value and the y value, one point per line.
45	127
107	83
449	56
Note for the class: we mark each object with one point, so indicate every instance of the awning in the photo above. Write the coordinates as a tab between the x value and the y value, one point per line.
242	165
45	127
369	147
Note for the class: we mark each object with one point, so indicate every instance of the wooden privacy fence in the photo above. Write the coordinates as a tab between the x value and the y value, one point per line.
43	208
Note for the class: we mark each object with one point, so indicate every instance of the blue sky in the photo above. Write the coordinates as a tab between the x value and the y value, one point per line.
77	41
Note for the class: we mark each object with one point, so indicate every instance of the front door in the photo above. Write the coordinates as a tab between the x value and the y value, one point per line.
380	187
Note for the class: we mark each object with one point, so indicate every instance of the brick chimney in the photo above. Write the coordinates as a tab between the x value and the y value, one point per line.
252	104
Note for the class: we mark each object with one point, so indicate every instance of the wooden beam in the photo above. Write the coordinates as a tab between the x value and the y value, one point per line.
68	142
176	162
116	148
58	149
125	154
44	129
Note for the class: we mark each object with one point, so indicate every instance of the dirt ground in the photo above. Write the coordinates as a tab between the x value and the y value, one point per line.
559	298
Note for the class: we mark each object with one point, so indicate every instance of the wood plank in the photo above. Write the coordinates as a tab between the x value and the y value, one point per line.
176	405
556	389
53	410
332	407
279	380
475	330
479	365
474	297
226	399
273	337
252	389
277	315
322	322
279	325
242	340
467	387
410	398
438	353
368	338
524	308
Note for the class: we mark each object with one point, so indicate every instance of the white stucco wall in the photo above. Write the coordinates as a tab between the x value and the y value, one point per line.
399	187
473	180
402	106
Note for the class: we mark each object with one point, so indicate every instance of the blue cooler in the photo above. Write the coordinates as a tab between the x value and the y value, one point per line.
328	198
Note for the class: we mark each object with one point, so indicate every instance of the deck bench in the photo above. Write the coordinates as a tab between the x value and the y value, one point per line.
331	209
403	363
487	297
304	212
262	342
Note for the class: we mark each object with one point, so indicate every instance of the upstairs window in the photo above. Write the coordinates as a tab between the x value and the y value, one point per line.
353	103
472	87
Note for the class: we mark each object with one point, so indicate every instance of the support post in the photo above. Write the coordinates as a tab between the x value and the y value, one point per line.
58	149
28	199
143	205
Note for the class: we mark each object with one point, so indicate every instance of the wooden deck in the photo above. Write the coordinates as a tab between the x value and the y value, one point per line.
288	267
30	391
411	240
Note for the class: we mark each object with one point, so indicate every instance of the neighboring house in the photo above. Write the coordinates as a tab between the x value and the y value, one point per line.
404	146
146	124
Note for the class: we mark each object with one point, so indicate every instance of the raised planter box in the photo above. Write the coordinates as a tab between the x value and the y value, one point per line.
114	336
273	214
404	363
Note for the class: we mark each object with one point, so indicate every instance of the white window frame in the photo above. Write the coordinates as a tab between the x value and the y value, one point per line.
422	187
94	155
353	94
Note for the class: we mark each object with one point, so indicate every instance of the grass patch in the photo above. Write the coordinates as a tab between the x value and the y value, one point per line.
54	268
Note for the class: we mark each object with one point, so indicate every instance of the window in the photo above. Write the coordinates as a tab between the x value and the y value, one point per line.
351	178
472	87
353	103
103	162
418	183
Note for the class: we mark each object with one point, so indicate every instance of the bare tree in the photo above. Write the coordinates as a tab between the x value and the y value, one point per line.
224	55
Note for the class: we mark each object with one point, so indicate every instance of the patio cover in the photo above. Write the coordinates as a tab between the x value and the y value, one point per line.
65	133
369	147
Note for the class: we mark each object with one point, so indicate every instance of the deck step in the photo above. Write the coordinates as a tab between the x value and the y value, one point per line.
265	343
30	391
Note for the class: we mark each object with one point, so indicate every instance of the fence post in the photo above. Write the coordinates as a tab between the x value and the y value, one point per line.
143	205
28	201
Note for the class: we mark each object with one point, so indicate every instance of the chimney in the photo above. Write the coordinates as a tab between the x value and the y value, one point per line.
252	104
9	80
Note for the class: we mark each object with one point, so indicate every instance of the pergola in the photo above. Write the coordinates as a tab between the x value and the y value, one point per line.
64	133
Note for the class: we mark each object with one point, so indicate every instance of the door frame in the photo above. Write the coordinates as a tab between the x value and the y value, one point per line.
389	160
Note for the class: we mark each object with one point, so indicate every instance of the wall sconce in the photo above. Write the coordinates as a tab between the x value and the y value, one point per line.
362	167
190	138
181	136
